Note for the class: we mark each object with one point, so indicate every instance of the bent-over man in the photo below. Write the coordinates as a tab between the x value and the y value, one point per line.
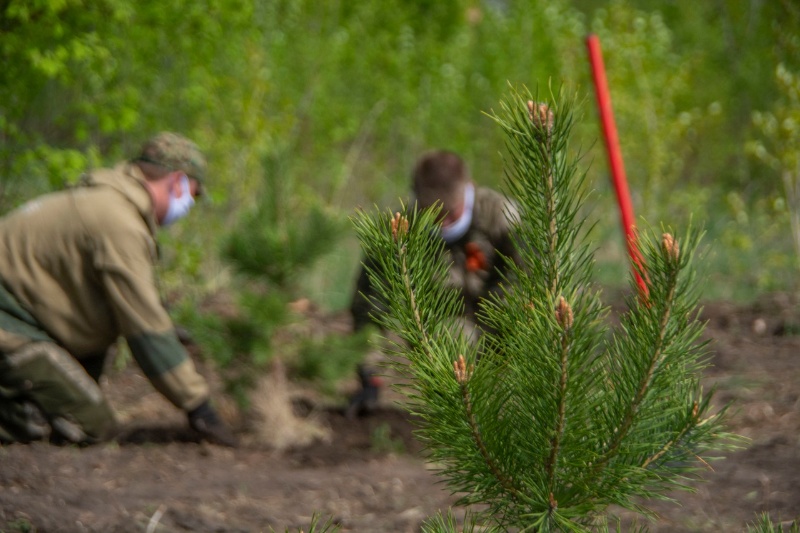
76	273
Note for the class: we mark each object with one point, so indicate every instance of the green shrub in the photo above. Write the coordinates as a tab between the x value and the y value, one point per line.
329	359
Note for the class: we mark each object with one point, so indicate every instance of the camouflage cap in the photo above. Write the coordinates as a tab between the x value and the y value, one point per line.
175	152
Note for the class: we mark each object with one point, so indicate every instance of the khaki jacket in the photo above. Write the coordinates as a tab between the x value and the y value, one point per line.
476	265
77	266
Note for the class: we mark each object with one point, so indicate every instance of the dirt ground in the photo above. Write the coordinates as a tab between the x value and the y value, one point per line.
368	474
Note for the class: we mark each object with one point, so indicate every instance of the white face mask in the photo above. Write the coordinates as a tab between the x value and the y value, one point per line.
179	207
457	229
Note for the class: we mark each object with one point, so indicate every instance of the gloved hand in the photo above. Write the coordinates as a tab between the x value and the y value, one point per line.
365	401
204	420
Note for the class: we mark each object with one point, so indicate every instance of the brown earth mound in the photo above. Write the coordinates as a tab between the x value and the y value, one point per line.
368	475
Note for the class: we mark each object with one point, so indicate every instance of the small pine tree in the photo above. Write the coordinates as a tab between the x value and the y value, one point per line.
551	417
285	234
270	247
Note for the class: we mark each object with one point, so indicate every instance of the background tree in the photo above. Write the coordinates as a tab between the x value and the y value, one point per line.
82	84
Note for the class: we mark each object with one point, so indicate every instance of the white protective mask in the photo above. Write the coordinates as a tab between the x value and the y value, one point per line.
179	206
457	229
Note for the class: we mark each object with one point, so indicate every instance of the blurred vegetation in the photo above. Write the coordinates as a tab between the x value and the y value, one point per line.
310	109
382	441
765	524
326	360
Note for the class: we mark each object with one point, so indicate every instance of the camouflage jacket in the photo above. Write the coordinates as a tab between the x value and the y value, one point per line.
77	267
476	260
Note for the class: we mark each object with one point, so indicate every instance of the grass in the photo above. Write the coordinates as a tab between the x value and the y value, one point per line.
382	441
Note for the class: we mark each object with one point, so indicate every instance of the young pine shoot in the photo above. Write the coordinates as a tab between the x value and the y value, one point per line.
551	416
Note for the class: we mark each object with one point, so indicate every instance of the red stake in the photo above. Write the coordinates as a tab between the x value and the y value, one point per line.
615	158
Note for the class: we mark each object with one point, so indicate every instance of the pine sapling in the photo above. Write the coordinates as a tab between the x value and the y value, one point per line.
551	416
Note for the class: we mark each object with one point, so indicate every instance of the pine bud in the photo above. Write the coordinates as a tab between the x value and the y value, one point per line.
399	226
564	313
540	115
461	371
670	247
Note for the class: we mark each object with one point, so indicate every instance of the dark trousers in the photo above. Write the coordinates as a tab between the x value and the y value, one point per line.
44	390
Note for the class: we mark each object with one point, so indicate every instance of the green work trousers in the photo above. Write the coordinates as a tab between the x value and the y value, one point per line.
44	390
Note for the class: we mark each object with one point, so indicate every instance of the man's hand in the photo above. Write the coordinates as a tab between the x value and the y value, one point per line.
204	420
365	401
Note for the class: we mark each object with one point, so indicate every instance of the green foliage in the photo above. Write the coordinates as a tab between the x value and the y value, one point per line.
21	525
751	253
381	105
284	234
764	524
329	359
726	52
73	81
221	338
549	420
381	440
240	345
48	47
83	84
269	85
779	147
443	523
270	246
682	137
640	57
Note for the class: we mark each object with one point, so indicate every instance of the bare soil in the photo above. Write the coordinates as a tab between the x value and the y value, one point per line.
368	474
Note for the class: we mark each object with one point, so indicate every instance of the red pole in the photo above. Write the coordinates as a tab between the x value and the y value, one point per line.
615	156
